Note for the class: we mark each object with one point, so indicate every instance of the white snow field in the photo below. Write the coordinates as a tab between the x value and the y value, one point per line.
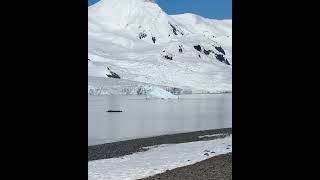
140	43
157	159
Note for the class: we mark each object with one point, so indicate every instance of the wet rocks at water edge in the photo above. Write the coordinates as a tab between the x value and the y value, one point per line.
206	152
122	148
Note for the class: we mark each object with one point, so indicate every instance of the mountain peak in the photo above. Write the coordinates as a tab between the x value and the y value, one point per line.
141	43
140	18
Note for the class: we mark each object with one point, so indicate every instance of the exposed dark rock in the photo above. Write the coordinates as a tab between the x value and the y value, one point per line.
168	57
142	35
154	40
219	48
141	91
113	74
207	52
89	60
197	47
174	30
221	58
180	49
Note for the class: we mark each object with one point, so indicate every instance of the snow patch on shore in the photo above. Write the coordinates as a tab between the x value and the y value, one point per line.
157	159
211	135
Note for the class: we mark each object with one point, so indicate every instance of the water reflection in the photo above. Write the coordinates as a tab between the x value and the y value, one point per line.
145	118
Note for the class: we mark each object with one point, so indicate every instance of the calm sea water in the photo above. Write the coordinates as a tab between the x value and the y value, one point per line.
146	118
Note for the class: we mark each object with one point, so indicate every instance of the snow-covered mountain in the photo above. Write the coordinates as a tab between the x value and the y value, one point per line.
135	41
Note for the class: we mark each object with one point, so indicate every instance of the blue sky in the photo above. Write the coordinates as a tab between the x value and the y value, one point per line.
214	9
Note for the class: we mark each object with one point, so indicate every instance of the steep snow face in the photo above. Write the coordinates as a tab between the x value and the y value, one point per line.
139	42
141	19
218	30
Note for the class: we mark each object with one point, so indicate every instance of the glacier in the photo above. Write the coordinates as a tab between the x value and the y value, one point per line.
158	93
134	45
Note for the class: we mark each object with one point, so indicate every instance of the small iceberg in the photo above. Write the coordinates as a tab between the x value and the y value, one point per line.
158	93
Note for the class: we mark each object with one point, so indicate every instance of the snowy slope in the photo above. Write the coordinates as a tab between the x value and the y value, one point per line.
217	30
139	42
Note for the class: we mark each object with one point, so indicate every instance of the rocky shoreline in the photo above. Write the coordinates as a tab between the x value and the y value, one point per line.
217	168
122	148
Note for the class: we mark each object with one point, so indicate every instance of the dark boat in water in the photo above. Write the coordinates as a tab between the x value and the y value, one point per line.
114	111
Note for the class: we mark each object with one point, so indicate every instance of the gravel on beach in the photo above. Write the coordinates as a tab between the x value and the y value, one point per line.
122	148
215	168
